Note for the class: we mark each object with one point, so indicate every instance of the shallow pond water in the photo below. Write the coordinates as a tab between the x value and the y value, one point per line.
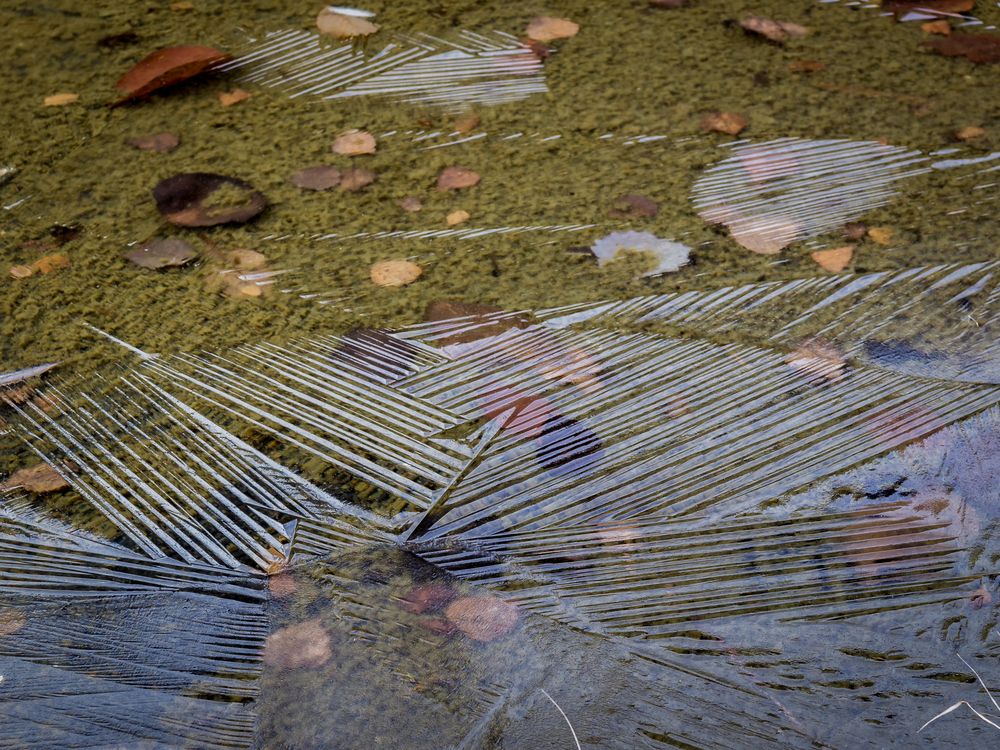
542	413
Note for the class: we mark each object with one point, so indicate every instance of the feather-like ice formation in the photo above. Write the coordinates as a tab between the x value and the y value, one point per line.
691	527
454	73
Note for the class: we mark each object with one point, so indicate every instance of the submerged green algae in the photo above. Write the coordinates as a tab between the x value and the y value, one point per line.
630	71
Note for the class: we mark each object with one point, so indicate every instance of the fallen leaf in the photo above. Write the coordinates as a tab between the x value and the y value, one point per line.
281	584
428	597
247	260
181	7
765	236
317	178
730	123
776	31
165	67
855	230
457	217
354	143
457	178
632	206
11	621
970	132
353	180
345	25
229	98
50	263
169	252
482	618
806	66
162	143
21	272
899	8
834	260
395	272
941	27
548	29
978	48
817	361
539	50
881	235
466	123
981	597
39	479
60	100
306	644
203	199
411	203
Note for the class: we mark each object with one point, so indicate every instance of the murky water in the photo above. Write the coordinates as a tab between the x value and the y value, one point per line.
672	438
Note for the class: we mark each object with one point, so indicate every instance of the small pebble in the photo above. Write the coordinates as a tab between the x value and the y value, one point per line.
457	217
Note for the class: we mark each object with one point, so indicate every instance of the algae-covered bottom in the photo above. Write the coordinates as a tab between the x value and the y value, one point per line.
562	487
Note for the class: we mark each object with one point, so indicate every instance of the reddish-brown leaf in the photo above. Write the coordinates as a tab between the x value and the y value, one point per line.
457	178
161	143
978	48
165	67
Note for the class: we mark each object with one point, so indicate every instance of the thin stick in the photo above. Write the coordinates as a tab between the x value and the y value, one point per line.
565	717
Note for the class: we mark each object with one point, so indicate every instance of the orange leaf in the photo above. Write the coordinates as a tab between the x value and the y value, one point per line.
834	260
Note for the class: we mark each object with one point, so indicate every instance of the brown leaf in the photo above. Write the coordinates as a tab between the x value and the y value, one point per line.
940	27
395	272
165	67
482	618
21	272
817	361
539	50
767	236
806	66
900	8
229	98
730	123
317	178
855	230
203	199
881	235
466	123
411	204
354	143
981	597
353	180
161	143
457	178
978	48
50	263
633	206
247	260
305	644
344	25
60	100
163	253
11	621
40	479
776	31
457	217
969	133
428	597
834	260
548	29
